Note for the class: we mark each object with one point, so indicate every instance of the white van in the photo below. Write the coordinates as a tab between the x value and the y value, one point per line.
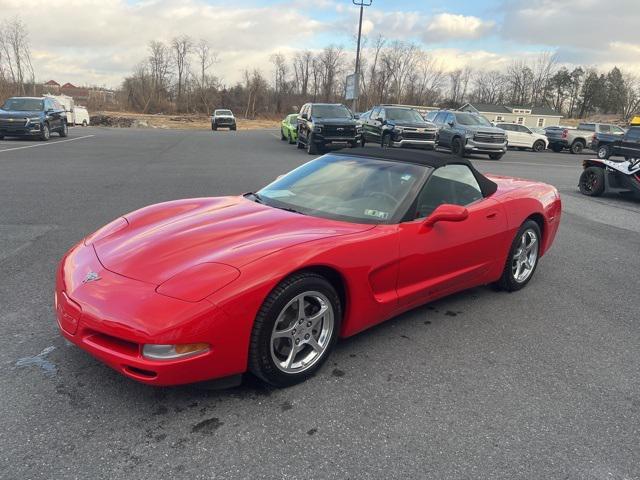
81	116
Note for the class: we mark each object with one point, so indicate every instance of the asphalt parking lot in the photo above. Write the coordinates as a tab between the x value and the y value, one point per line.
539	384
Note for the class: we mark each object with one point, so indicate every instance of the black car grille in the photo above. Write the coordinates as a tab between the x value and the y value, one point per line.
489	138
339	130
416	135
14	123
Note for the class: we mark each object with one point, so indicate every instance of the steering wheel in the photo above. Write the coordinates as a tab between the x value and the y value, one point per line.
383	195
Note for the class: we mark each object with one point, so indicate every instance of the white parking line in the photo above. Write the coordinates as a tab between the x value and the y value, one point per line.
45	144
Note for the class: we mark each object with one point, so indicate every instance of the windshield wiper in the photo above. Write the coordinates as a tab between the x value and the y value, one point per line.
288	209
257	198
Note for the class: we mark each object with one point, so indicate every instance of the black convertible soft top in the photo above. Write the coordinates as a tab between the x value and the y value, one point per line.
423	158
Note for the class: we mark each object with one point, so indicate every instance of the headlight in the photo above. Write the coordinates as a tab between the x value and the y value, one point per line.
317	129
198	282
399	129
172	352
34	120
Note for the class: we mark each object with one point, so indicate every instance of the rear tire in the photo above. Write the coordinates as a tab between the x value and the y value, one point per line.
591	182
538	146
577	147
84	123
522	259
270	357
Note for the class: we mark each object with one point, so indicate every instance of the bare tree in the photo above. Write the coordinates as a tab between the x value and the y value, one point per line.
16	54
181	48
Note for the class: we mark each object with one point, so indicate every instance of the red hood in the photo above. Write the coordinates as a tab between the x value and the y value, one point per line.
165	239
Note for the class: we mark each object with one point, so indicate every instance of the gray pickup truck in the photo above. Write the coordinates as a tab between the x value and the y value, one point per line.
575	139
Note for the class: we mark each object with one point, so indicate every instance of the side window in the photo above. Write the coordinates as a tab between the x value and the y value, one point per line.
633	134
452	184
523	129
431	116
605	129
506	126
617	130
439	119
383	114
375	114
47	104
450	118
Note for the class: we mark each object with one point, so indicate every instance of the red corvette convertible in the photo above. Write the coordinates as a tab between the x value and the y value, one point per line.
210	288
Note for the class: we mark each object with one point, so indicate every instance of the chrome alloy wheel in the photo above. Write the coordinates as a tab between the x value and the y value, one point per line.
525	257
302	332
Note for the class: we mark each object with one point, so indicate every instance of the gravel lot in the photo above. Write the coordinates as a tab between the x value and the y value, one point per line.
539	384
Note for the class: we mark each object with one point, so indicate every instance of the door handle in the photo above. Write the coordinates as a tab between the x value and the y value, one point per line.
492	215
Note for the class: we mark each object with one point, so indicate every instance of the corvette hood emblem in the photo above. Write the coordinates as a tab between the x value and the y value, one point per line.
91	277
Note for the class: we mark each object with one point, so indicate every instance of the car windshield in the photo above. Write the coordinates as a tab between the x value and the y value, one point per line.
403	115
331	111
293	118
223	112
23	104
471	119
354	189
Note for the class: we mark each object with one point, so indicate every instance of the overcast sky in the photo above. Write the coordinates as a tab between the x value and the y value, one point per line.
98	42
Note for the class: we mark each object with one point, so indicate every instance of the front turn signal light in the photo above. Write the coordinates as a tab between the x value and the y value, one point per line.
173	352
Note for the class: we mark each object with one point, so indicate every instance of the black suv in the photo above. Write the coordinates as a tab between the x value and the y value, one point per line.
397	126
627	146
324	124
32	116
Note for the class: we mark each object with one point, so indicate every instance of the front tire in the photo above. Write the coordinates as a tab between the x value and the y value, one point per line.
387	141
312	148
214	127
46	132
522	259
295	330
496	156
591	182
538	146
64	131
556	148
457	148
604	152
283	137
84	123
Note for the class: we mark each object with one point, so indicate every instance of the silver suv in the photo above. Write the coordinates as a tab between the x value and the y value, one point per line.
465	133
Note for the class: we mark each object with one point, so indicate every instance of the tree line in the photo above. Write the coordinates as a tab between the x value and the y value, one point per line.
17	76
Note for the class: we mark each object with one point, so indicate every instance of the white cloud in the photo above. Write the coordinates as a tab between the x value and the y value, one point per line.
103	40
448	26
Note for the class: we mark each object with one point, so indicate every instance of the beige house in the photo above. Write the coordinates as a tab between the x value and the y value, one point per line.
533	117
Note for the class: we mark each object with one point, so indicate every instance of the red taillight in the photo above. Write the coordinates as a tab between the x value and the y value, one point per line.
565	133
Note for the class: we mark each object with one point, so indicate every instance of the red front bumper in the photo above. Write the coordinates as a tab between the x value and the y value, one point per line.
114	316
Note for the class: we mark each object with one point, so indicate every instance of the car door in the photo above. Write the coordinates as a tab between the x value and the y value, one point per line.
525	136
450	256
446	131
375	125
512	140
303	123
52	117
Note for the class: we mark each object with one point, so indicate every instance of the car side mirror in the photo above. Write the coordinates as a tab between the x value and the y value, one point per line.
304	116
356	117
380	119
451	124
445	213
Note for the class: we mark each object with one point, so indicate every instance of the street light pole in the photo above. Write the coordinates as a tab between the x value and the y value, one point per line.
361	4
